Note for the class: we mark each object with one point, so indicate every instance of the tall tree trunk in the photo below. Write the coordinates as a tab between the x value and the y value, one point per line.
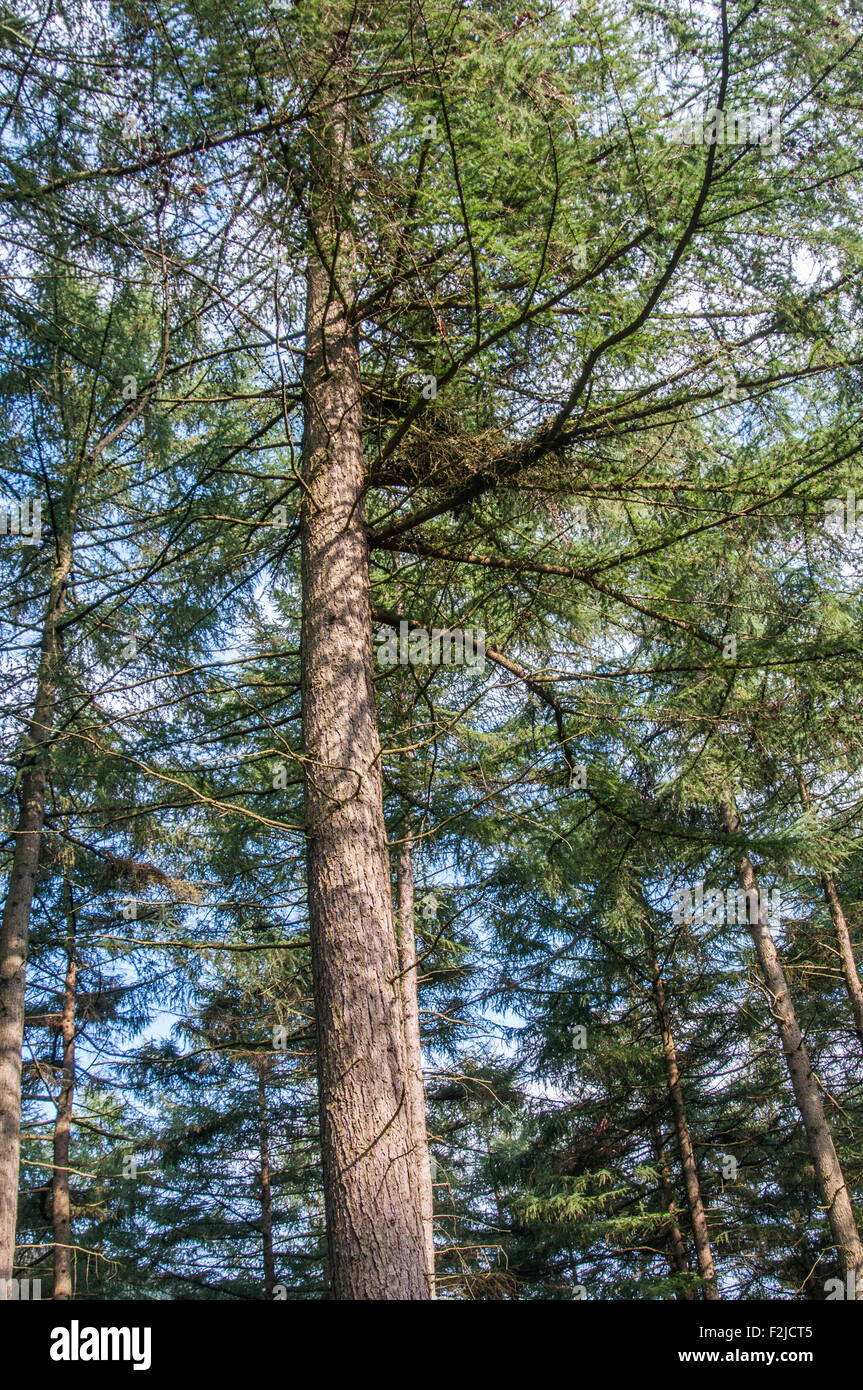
850	973
831	1183
676	1247
266	1191
61	1212
15	930
374	1214
416	1096
691	1184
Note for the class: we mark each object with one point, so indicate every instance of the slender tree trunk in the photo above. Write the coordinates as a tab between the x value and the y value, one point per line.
374	1213
831	1183
676	1247
691	1184
266	1192
408	980
850	973
853	985
61	1212
15	930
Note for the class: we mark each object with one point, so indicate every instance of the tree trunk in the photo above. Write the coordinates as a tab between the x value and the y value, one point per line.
15	930
408	980
691	1184
831	1183
374	1214
61	1213
266	1192
850	973
853	985
676	1247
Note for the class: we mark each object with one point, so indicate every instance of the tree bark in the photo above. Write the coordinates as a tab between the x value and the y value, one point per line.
676	1247
691	1184
15	930
408	981
61	1211
850	973
853	985
266	1190
374	1216
828	1173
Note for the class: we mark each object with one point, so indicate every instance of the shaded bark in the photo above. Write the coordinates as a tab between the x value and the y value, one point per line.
853	985
408	981
676	1246
374	1221
691	1183
61	1210
15	930
828	1172
266	1190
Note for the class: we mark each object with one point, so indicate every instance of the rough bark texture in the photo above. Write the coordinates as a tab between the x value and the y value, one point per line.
15	930
831	1183
853	986
676	1247
60	1204
408	981
374	1221
691	1184
266	1190
850	973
